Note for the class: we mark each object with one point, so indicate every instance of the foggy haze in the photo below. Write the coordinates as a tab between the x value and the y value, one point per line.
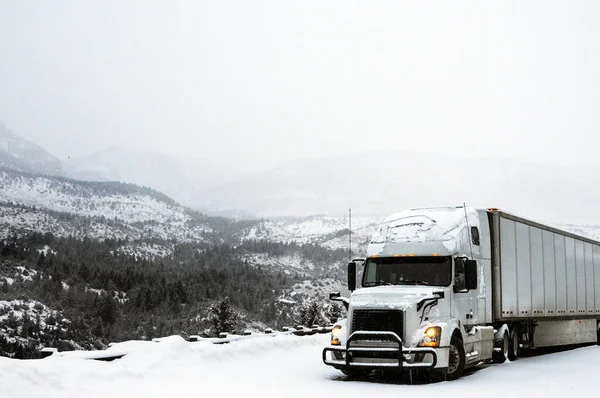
258	83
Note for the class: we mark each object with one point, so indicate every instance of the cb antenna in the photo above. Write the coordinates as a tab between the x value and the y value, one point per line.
350	234
468	230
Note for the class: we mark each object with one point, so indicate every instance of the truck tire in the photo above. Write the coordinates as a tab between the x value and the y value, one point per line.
513	350
501	348
456	362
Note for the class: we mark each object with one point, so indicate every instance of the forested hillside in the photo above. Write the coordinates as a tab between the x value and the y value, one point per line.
92	294
86	263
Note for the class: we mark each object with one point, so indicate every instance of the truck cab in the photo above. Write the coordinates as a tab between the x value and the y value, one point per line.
422	301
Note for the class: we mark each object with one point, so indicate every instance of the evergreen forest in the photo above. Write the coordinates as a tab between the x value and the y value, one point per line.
99	295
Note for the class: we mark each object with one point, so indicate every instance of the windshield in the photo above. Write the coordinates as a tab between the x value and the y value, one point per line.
434	271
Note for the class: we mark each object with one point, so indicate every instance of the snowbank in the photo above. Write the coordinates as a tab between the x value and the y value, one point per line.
277	366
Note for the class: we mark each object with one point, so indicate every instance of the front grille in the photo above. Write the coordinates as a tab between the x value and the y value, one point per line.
379	321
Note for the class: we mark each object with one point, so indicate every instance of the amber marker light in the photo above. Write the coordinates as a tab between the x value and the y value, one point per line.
432	337
335	335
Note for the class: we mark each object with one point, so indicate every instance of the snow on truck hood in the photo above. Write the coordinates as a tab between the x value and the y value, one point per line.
424	231
391	297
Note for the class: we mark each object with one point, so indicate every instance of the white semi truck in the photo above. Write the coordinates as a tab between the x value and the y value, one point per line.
444	289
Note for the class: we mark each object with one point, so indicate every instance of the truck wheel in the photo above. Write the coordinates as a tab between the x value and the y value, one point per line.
513	350
456	362
501	348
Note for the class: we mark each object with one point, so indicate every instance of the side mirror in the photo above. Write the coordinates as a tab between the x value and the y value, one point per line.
336	296
475	236
460	278
471	274
351	276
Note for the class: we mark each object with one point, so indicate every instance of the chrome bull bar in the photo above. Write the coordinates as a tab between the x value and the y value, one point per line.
351	355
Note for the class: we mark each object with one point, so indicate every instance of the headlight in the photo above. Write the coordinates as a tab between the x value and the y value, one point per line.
335	335
432	337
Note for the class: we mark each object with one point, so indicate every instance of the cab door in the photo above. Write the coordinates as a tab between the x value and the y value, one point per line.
465	303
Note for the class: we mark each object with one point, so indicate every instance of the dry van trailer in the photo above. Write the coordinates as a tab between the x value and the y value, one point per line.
546	282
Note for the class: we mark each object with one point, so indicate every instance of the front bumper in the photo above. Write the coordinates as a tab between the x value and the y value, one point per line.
362	351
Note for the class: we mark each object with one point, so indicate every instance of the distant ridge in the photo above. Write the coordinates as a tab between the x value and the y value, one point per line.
382	183
177	177
19	154
87	188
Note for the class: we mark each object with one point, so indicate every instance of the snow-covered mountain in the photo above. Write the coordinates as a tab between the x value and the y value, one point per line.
373	184
151	222
30	202
178	178
19	154
99	210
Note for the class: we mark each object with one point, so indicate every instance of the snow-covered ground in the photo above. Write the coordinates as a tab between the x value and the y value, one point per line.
46	318
277	366
19	273
18	308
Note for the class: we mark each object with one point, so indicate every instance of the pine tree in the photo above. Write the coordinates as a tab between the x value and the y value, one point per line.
108	310
310	313
334	313
223	316
270	312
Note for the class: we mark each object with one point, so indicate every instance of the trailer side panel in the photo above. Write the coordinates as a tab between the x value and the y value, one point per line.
544	273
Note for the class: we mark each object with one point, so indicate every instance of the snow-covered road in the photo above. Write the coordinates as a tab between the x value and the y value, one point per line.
278	366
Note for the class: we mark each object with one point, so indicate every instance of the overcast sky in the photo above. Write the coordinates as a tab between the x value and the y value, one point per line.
255	83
